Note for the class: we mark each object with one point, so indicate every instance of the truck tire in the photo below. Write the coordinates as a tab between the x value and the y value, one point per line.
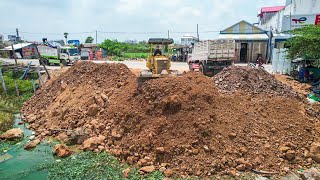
202	69
64	62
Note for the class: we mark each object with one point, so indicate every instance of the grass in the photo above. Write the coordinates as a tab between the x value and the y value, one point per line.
89	165
136	55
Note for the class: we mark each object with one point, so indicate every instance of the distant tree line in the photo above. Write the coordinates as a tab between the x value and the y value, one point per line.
116	48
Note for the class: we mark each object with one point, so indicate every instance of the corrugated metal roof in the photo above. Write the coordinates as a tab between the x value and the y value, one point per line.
16	46
272	9
244	36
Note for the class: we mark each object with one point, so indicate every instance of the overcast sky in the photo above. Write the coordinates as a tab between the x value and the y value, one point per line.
81	18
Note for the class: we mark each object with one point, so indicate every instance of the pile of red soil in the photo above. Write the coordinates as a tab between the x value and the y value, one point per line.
251	80
180	125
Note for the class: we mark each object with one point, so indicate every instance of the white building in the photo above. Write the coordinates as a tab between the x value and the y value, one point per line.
188	40
1	38
295	14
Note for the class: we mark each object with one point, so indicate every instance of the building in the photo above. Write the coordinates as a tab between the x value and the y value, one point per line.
251	41
23	50
1	38
296	14
188	40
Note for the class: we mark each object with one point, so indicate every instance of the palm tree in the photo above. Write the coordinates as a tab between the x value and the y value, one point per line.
66	36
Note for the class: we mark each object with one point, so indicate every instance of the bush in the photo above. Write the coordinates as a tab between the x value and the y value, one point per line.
24	86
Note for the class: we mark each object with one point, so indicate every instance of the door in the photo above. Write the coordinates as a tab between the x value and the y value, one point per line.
243	52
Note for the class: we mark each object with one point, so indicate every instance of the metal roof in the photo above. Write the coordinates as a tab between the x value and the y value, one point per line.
272	9
244	36
16	46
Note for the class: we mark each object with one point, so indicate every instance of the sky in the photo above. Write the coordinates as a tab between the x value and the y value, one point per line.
124	19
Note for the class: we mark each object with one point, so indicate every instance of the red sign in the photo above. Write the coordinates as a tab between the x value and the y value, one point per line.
317	19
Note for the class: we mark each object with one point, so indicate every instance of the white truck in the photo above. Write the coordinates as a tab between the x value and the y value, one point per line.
59	55
211	56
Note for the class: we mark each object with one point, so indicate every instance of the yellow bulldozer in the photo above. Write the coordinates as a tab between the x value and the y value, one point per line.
159	61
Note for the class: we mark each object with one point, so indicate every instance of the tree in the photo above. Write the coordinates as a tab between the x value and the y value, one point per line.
305	43
66	36
89	40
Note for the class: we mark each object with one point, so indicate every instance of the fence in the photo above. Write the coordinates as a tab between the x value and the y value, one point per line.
280	64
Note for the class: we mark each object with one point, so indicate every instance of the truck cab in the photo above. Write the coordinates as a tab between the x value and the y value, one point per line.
70	54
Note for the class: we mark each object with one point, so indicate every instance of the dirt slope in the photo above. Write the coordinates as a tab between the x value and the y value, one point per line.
184	122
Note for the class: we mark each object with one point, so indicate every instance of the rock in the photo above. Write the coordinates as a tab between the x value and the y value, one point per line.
232	135
241	167
93	110
63	85
244	150
148	169
162	169
284	149
116	134
63	137
32	144
61	150
12	134
290	155
126	172
92	143
195	151
315	152
168	172
104	97
160	150
310	174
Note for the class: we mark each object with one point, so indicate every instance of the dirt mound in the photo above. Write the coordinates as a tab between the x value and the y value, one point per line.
181	124
251	80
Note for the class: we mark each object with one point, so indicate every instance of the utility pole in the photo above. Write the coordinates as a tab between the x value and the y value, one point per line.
96	37
198	32
18	38
168	34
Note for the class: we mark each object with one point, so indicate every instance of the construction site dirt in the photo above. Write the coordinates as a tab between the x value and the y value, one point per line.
184	125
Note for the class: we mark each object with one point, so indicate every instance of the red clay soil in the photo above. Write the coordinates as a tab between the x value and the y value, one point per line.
182	123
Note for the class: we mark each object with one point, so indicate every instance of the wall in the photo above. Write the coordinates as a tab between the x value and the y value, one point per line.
280	64
254	48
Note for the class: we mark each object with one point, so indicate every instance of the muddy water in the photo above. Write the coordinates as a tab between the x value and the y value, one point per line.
18	163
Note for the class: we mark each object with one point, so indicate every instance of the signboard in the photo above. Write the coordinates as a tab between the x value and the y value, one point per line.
298	21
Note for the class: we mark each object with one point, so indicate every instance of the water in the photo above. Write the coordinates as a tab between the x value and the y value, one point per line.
23	163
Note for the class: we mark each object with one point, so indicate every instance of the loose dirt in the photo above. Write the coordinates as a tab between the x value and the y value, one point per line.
182	125
251	80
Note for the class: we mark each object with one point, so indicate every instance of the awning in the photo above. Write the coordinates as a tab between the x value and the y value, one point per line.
244	36
282	36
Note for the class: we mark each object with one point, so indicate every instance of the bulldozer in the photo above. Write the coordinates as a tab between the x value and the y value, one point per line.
158	63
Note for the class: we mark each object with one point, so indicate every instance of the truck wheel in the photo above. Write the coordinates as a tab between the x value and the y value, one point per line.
202	70
64	62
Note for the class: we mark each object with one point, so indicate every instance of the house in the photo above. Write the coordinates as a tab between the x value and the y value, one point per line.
251	41
1	38
188	40
23	50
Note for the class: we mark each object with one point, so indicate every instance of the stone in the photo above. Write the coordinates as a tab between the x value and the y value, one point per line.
32	144
147	169
160	149
244	150
232	135
93	110
162	169
61	150
126	172
241	167
315	152
195	151
284	149
116	134
168	172
12	134
63	137
92	143
310	174
290	155
104	97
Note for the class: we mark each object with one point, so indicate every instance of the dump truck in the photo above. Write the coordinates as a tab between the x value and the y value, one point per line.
65	55
211	56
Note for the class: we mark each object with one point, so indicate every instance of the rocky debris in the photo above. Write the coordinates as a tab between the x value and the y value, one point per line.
93	143
32	144
12	134
147	169
315	151
126	172
168	172
61	150
310	174
252	81
185	122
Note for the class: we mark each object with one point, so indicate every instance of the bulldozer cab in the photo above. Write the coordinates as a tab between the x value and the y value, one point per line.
158	61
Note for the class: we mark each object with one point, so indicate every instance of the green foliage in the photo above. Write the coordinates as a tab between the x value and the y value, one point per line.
115	48
89	39
305	44
25	86
117	58
88	165
136	55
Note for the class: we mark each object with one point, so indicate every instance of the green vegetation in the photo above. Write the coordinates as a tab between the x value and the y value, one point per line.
305	44
136	55
89	39
115	48
88	165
